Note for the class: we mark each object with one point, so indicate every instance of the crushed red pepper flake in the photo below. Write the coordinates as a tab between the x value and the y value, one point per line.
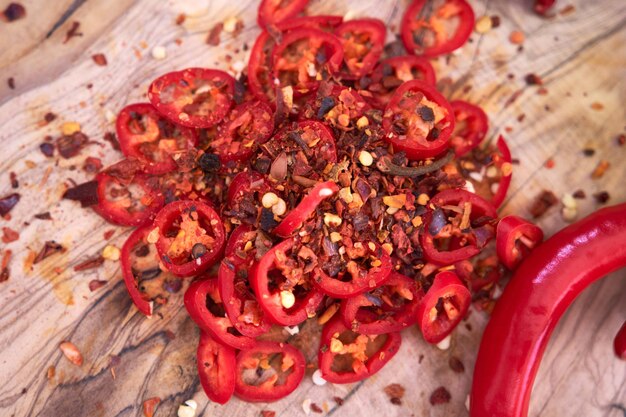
49	117
440	396
597	106
107	235
495	21
602	197
600	169
9	235
13	178
268	413
8	202
112	139
549	163
49	248
621	140
70	145
180	19
73	31
13	12
339	401
90	263
71	352
533	79
85	193
4	266
92	165
213	37
43	216
96	284
47	149
51	372
567	10
316	408
542	203
456	365
395	392
11	83
100	59
149	406
517	37
579	194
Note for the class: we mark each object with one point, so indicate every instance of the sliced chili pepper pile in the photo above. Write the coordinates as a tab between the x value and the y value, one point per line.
321	185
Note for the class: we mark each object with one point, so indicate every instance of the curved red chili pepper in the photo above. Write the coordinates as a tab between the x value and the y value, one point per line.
507	171
515	238
309	203
143	305
541	289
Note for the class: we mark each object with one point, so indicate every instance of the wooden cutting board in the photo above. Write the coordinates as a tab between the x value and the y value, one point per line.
580	55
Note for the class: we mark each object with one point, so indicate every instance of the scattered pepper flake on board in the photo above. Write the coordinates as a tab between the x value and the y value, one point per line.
268	413
51	372
495	21
395	392
73	31
43	216
112	139
533	79
100	59
49	248
9	235
71	352
13	178
70	145
85	193
549	163
456	365
517	37
602	197
4	266
339	401
567	10
440	396
597	106
8	202
600	169
621	140
150	405
316	408
180	19
13	12
542	203
213	37
11	83
589	152
90	263
96	284
579	194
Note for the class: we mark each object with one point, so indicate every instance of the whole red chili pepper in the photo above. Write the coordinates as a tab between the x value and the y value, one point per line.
541	289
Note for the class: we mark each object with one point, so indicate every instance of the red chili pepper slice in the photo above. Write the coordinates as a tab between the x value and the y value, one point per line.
127	204
540	291
193	97
244	185
345	357
471	125
191	237
145	281
515	238
489	170
418	120
391	73
260	64
482	271
216	368
619	343
458	228
247	126
268	372
543	6
272	12
282	288
304	53
394	304
446	302
240	303
374	270
206	309
294	219
426	31
146	135
363	41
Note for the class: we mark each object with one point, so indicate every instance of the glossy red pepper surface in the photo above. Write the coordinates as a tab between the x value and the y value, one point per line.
619	343
541	289
515	238
216	368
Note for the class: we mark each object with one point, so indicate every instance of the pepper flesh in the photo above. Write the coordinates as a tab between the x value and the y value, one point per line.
541	289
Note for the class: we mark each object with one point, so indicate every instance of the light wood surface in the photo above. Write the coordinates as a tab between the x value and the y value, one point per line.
580	56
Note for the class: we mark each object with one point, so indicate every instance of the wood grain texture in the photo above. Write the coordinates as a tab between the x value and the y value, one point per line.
128	358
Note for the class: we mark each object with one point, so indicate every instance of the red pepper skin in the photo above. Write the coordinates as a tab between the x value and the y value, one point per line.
265	392
509	231
507	173
543	6
307	206
208	218
362	370
389	318
619	343
480	208
348	32
532	303
272	12
477	125
270	301
244	183
140	302
216	368
448	287
376	275
464	29
217	327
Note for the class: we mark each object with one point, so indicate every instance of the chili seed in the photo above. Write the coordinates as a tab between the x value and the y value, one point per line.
602	197
198	251
426	113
